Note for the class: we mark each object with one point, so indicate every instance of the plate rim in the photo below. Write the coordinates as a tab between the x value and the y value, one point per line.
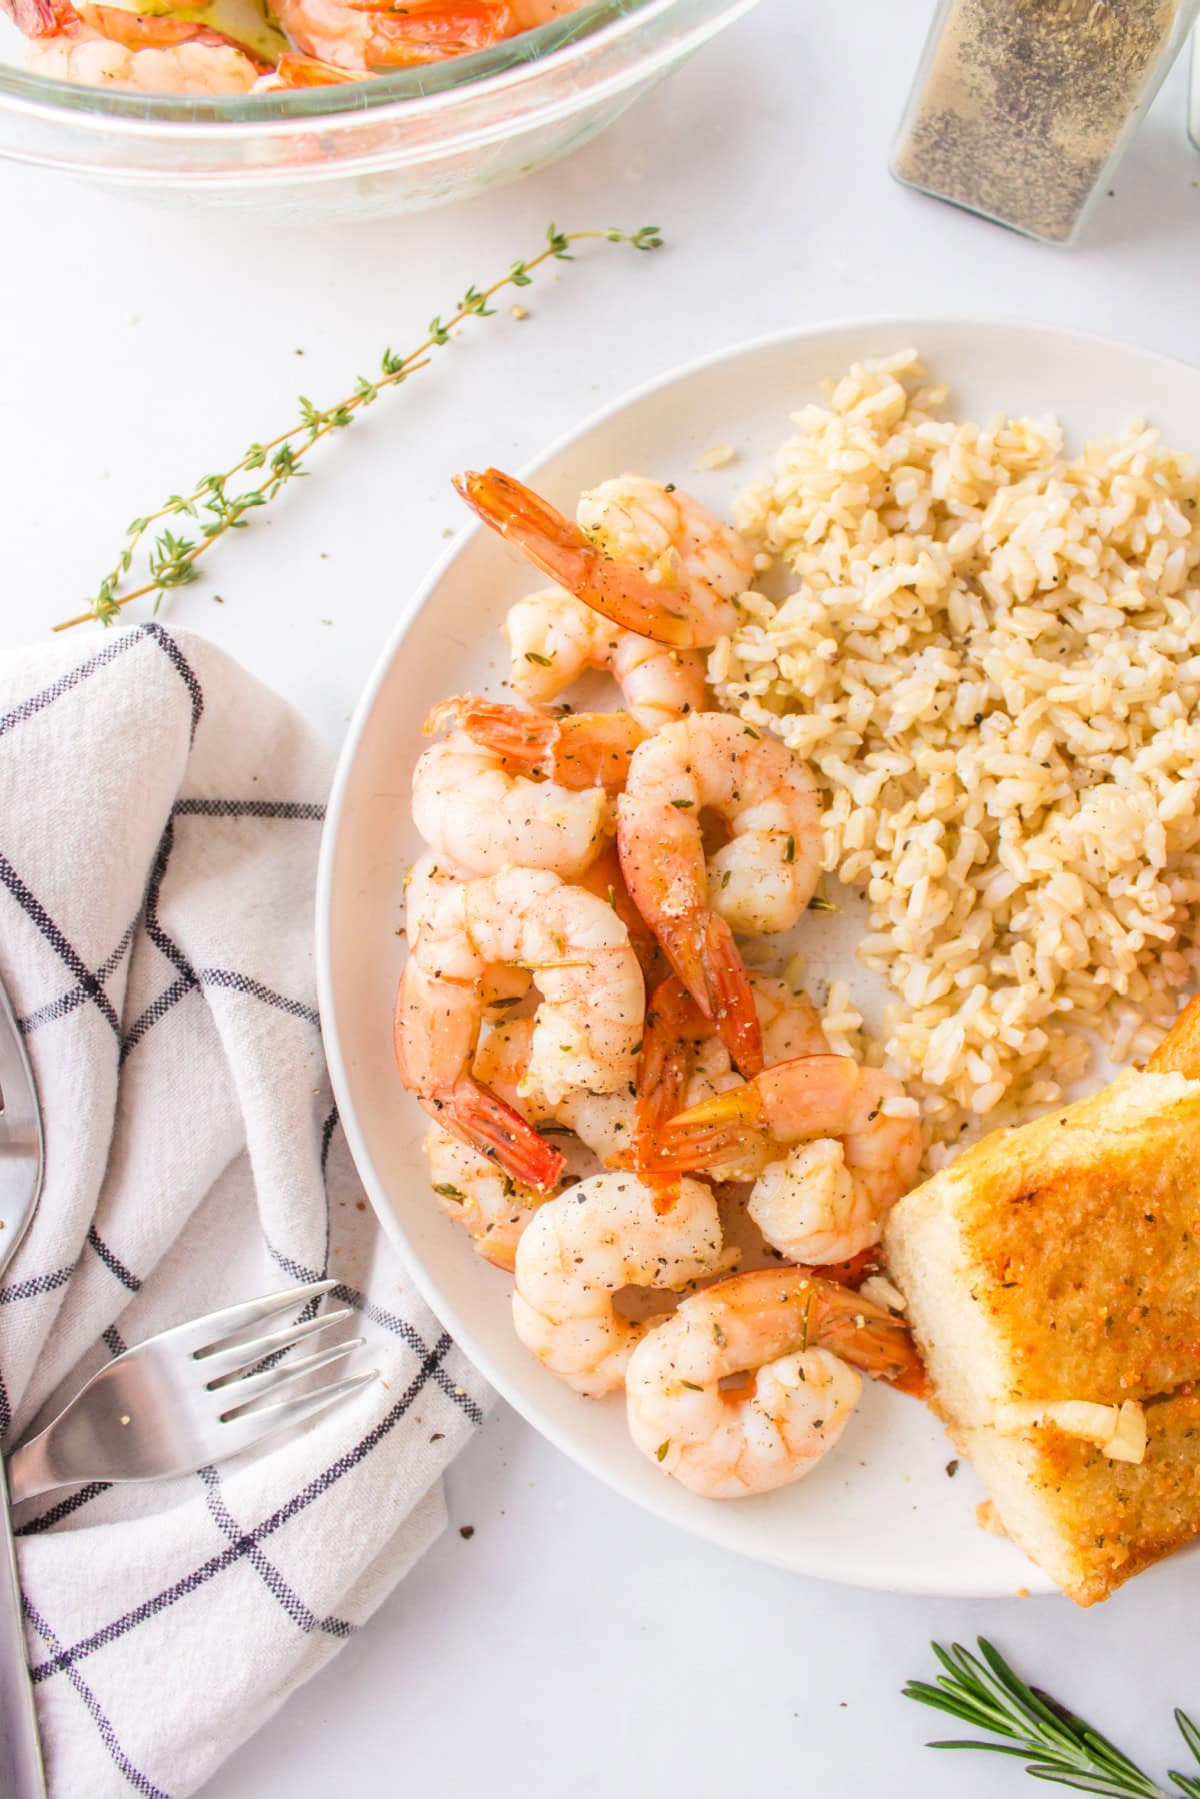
908	329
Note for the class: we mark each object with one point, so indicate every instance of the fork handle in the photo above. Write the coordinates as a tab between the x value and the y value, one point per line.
21	1775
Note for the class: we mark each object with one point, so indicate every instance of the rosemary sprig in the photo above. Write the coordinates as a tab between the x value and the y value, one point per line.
1055	1744
171	560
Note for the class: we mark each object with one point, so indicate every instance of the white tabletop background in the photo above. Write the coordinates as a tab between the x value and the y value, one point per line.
571	1645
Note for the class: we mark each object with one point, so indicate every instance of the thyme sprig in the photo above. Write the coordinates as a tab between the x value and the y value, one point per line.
1055	1743
214	504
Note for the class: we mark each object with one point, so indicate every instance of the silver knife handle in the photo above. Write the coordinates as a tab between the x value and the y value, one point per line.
21	1775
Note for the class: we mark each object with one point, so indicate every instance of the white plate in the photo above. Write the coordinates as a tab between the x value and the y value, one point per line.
879	1511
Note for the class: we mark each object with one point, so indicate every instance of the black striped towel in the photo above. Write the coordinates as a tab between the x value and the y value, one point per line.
159	819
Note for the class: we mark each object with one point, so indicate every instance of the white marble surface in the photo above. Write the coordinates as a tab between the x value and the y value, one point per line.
571	1646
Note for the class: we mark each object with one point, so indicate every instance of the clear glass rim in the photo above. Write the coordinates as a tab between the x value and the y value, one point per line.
417	92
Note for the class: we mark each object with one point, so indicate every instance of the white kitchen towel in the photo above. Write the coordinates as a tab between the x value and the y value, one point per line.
159	819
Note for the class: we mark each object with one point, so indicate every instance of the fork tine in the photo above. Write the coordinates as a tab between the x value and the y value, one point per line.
247	1428
211	1331
238	1394
221	1365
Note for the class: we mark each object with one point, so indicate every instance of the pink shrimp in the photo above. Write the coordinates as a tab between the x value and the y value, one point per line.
574	749
367	35
587	1026
105	46
825	1201
645	555
761	880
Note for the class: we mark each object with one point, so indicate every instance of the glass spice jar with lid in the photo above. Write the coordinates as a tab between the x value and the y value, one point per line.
1021	109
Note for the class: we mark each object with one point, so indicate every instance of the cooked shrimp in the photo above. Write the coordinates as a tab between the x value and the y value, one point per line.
683	1062
468	806
587	1026
492	1208
528	14
367	35
294	70
603	1122
647	556
794	1332
580	1249
827	1200
575	749
761	880
556	638
105	46
604	876
428	879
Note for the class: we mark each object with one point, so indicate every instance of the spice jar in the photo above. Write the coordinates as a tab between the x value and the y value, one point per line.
1022	108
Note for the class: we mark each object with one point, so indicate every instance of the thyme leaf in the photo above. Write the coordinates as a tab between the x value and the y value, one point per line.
219	504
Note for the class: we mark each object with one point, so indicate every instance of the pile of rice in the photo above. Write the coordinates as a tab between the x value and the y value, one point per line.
991	659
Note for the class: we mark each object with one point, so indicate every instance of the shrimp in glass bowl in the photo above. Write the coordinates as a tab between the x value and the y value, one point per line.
643	553
369	36
108	46
583	1247
797	1341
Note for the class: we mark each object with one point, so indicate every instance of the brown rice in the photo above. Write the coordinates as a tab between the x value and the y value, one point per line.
991	659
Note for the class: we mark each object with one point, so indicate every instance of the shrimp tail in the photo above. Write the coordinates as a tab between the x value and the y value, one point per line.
863	1334
40	18
484	1122
556	545
718	1130
674	1025
702	951
294	70
517	735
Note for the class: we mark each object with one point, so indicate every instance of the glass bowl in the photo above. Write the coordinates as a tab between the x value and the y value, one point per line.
392	144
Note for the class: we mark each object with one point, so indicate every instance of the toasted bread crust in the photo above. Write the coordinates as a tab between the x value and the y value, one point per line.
1091	1522
1079	1236
1061	1261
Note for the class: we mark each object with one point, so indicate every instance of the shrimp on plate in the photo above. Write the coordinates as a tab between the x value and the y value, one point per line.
683	1061
367	36
576	750
428	879
603	876
579	1250
555	638
647	556
492	1208
586	1029
761	880
468	806
794	1334
857	1141
105	46
602	1122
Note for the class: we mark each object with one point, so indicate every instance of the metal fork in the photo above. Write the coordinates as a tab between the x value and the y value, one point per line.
189	1396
